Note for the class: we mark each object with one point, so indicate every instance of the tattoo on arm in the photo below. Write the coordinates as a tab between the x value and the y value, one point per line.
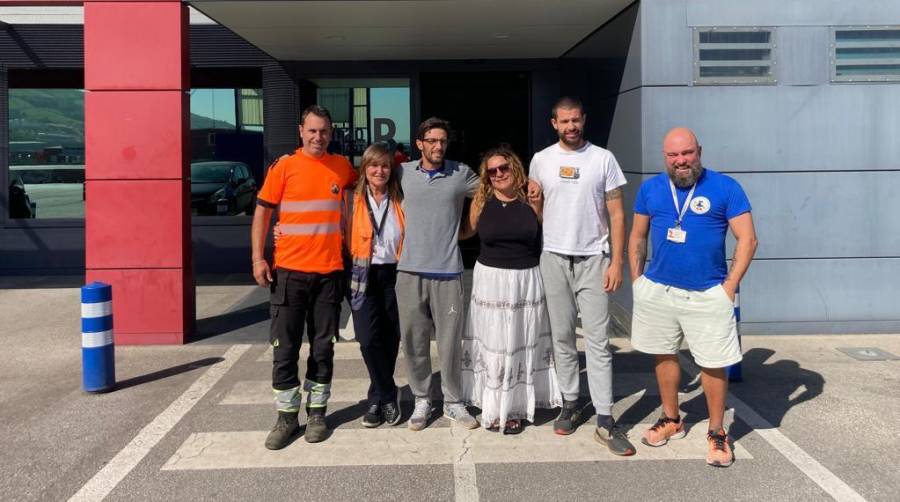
615	193
733	262
638	256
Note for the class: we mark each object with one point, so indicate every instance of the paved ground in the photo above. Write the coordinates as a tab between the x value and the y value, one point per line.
187	423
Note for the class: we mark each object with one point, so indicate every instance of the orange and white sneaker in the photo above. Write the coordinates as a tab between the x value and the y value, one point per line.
720	453
663	430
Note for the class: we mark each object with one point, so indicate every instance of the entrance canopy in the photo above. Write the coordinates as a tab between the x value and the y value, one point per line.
407	30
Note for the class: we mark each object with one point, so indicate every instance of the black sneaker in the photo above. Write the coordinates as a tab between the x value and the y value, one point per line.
615	439
316	428
373	417
391	411
569	418
285	427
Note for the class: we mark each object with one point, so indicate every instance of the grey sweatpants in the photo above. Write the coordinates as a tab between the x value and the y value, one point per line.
426	307
575	284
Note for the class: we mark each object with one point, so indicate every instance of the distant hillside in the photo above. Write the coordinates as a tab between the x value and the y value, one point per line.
42	114
201	122
57	116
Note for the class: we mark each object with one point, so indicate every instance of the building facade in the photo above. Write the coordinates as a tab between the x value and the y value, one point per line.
795	101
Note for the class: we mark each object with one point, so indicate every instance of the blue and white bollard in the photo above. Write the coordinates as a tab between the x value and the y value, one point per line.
98	362
734	371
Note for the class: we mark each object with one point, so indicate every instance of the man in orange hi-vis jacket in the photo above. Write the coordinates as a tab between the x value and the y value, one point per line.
306	278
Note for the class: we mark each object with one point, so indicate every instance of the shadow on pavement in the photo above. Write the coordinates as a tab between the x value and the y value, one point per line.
231	321
769	389
168	372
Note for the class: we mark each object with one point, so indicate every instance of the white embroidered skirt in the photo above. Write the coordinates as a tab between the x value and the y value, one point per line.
507	366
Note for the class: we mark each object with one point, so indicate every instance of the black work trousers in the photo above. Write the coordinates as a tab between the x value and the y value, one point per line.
377	327
298	299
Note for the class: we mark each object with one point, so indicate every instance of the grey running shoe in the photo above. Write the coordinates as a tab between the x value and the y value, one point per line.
373	417
285	427
615	439
316	428
391	411
458	413
421	414
569	418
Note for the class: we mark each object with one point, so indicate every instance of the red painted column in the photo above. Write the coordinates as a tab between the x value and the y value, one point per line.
137	211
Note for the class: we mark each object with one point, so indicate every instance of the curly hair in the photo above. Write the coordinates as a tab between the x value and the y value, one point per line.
486	190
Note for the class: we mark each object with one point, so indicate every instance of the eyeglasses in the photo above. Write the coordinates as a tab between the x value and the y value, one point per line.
493	171
434	141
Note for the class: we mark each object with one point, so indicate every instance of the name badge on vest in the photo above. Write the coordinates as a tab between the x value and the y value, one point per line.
676	235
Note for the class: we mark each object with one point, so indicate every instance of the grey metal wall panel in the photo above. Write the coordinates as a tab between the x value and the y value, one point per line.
821	290
42	46
41	250
825	215
769	128
62	46
625	138
281	109
666	56
216	46
632	75
791	12
802	55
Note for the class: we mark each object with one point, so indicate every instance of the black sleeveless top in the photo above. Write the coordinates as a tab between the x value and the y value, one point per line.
510	235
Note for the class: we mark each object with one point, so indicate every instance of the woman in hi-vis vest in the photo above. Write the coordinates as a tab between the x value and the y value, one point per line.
374	234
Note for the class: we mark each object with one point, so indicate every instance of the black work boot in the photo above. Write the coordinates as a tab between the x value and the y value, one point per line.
316	428
569	418
285	427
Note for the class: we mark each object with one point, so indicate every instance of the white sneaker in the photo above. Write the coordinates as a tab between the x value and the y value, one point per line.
420	415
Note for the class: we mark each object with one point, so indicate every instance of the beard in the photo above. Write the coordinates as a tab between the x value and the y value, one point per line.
688	180
571	142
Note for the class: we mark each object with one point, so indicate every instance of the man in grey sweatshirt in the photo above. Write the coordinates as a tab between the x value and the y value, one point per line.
429	280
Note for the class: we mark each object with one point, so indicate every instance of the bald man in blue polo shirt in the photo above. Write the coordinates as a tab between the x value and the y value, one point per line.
688	291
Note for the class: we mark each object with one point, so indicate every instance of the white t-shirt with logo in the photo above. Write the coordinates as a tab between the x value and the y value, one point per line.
575	185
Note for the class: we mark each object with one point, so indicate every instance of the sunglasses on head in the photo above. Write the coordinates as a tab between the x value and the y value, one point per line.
493	171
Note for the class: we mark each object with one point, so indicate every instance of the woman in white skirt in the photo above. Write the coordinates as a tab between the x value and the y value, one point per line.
507	366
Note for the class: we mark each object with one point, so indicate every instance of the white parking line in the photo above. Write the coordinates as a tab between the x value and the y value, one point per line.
99	486
809	466
352	390
433	446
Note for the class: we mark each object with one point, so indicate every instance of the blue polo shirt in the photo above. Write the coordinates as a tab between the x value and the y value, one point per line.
698	263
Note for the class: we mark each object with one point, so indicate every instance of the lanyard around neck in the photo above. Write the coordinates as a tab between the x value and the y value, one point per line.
687	202
378	227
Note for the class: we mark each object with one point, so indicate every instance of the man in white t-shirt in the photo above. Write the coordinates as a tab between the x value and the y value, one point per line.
581	263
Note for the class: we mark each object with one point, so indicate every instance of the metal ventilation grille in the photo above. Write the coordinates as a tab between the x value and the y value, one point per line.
865	54
728	56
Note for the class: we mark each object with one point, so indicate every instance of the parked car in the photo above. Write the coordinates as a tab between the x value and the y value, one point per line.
57	189
20	205
222	188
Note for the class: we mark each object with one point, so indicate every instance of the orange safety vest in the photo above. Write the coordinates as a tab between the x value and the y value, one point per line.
308	192
360	234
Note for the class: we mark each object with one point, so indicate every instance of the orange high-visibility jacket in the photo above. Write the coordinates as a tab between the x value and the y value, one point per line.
308	193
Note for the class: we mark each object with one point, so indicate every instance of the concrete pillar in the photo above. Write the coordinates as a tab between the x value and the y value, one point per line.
137	208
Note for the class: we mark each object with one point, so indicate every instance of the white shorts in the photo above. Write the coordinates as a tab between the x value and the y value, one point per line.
664	315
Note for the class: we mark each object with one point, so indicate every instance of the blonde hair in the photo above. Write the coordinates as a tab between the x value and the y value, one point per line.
375	153
486	191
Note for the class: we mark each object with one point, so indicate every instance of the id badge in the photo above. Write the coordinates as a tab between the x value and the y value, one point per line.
379	251
676	235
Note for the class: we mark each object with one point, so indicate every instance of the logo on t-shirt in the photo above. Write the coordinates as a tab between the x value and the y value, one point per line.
700	205
569	173
335	189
